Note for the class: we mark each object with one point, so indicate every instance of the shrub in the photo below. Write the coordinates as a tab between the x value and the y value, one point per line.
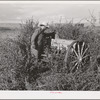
27	30
93	39
19	71
11	66
68	30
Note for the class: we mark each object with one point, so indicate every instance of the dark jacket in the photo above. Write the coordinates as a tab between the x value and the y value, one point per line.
37	38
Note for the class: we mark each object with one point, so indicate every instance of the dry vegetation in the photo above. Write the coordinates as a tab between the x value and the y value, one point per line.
19	71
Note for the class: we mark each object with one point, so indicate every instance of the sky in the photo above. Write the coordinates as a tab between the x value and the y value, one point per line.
16	12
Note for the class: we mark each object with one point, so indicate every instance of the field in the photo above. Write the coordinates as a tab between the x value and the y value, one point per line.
19	71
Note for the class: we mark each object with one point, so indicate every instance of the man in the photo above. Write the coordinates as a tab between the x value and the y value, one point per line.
37	41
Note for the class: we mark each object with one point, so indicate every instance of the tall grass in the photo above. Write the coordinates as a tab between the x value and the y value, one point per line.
19	71
11	65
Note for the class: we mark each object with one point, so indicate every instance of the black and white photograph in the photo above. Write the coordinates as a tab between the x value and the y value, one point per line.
49	46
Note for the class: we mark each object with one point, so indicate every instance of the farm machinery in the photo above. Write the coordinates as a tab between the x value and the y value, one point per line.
76	53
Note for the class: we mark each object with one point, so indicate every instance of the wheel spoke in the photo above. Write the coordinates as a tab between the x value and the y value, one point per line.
85	56
74	61
73	56
74	66
75	52
79	50
84	51
82	48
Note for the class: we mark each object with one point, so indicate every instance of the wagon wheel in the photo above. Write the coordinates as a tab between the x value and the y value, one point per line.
78	56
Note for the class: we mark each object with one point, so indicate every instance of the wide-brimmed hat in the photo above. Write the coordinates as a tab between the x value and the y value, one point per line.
44	24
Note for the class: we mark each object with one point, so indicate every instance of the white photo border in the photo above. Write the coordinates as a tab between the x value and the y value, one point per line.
50	94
